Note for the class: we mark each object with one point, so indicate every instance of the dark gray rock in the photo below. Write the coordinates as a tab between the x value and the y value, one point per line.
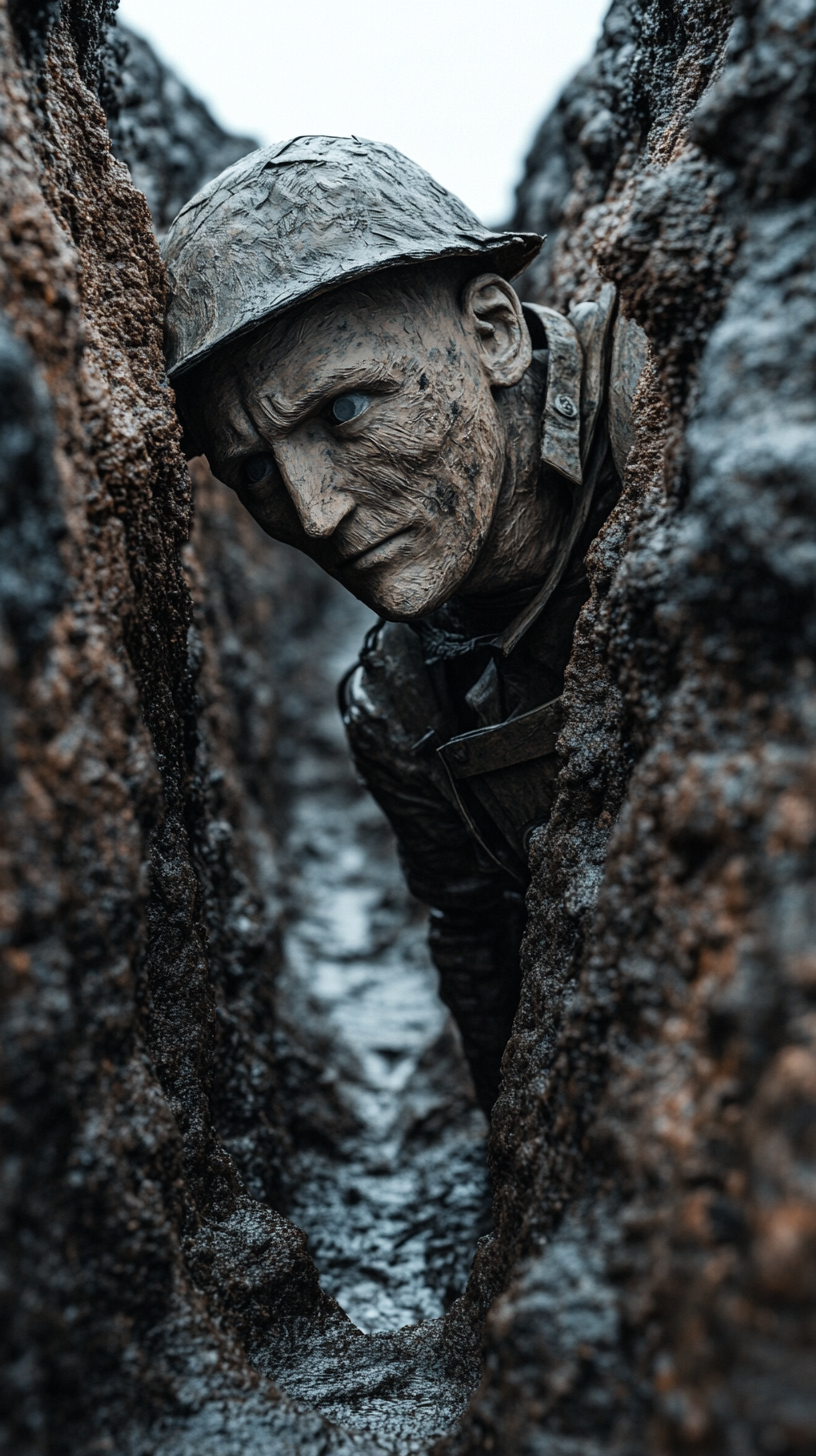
656	1122
165	134
32	578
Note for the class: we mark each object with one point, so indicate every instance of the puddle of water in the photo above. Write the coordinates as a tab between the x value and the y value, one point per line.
389	1180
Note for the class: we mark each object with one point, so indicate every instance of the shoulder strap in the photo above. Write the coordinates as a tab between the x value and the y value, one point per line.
580	343
561	433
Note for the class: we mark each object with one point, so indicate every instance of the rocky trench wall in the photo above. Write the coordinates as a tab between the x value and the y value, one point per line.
653	1148
651	1276
167	137
140	1082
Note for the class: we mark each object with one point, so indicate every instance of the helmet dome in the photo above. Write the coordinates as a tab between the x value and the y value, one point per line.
295	219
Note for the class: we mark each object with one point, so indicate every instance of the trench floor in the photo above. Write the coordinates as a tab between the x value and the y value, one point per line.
389	1180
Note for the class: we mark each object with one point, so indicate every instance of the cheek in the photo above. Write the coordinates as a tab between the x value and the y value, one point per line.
412	434
468	430
470	468
439	445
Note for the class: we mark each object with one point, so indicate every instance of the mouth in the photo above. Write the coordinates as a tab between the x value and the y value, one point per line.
375	555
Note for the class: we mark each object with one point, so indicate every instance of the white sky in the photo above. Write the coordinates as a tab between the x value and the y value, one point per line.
458	85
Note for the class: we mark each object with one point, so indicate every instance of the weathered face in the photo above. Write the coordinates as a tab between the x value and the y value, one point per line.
365	432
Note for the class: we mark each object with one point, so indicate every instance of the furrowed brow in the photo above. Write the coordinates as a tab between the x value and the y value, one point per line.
288	413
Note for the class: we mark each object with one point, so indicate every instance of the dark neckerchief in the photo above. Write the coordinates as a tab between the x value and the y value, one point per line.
467	624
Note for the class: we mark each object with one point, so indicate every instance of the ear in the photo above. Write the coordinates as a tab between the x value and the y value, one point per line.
492	311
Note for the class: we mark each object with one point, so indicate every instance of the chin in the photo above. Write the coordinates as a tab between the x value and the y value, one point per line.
403	599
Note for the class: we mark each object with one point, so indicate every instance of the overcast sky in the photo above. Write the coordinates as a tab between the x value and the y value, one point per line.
459	85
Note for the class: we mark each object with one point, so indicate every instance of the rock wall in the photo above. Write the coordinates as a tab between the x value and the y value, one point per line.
653	1150
649	1283
137	960
167	137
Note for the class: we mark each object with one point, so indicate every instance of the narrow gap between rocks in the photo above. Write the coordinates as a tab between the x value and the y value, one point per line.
389	1179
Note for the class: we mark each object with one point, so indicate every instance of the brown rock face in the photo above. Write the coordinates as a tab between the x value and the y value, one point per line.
128	922
653	1149
649	1285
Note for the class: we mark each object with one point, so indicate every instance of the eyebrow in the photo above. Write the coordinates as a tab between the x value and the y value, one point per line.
351	377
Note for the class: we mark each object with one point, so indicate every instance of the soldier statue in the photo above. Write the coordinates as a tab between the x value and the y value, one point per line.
347	351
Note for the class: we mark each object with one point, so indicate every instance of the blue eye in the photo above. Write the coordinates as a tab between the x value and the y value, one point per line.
348	407
257	468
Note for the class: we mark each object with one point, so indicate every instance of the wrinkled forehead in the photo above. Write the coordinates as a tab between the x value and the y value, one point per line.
371	327
375	308
374	318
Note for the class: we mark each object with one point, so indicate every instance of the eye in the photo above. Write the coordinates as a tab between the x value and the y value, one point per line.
257	468
348	407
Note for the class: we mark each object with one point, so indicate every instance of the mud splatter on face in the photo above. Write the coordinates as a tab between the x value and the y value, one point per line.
365	432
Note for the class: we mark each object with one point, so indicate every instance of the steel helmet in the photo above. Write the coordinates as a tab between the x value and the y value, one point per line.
295	219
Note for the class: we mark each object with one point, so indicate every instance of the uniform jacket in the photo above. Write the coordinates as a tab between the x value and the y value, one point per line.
453	720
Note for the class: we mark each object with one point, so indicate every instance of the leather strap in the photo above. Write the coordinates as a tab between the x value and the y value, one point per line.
591	331
561	435
518	740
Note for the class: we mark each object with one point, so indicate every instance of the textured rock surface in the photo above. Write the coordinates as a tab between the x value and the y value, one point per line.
167	137
650	1279
654	1148
126	910
151	1282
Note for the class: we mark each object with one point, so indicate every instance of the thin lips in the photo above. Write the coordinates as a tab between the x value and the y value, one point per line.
358	555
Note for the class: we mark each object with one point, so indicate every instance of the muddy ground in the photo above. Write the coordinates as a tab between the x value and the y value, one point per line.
393	1201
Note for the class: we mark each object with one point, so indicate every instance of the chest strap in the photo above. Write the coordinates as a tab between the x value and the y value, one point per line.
561	425
504	778
518	740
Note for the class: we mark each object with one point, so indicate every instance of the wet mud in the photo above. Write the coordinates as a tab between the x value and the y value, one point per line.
388	1178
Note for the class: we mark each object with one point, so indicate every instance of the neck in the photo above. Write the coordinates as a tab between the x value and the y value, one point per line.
524	531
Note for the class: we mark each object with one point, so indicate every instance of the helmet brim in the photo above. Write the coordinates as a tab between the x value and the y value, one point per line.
509	256
294	220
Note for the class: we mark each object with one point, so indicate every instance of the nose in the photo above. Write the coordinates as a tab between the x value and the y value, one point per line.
314	483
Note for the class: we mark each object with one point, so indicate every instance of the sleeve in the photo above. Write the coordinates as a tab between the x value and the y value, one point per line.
476	912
